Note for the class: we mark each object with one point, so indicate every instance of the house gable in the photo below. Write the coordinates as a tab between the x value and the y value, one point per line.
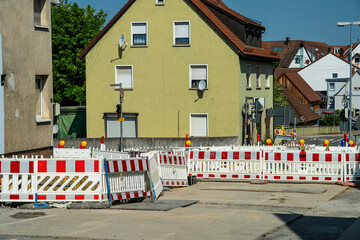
316	73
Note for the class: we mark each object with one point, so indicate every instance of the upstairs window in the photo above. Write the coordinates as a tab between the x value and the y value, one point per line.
124	75
160	2
357	60
334	75
139	34
297	59
332	86
181	33
198	73
267	77
39	93
258	77
39	16
248	76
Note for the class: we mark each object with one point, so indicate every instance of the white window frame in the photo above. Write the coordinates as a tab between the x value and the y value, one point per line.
132	76
356	59
158	3
207	75
41	96
258	76
331	89
132	36
332	75
174	39
248	76
207	123
267	77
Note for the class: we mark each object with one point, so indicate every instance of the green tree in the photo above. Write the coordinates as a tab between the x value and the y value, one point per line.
73	28
279	97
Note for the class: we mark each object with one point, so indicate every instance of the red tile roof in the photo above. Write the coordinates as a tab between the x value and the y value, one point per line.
302	111
302	86
290	49
106	28
244	50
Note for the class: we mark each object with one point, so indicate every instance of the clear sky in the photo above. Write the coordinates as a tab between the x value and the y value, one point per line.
312	20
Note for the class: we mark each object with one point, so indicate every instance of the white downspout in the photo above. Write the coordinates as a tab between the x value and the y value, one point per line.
2	98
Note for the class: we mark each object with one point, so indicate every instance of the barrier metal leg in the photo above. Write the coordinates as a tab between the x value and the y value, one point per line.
107	181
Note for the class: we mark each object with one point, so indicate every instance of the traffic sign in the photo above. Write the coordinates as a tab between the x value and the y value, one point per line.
120	118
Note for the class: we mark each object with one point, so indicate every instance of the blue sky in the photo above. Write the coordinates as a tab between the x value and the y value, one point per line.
312	20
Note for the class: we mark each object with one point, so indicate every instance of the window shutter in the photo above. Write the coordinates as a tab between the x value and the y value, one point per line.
124	76
198	73
139	28
199	125
182	30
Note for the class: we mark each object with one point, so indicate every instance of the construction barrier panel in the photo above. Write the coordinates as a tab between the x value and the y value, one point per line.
225	164
303	166
18	180
127	179
71	153
351	167
173	169
154	173
69	180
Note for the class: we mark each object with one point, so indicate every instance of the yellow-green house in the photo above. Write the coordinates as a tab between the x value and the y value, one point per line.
186	67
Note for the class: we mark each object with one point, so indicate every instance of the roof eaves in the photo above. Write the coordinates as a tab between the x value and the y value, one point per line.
105	29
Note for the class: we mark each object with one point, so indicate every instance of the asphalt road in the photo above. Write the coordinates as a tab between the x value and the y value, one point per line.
225	211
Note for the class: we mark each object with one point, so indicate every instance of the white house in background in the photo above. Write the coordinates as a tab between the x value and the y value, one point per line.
337	88
355	54
329	66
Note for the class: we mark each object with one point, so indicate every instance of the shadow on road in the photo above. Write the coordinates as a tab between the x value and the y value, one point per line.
311	227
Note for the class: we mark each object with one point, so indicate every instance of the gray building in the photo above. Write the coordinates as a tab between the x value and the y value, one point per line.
26	90
338	88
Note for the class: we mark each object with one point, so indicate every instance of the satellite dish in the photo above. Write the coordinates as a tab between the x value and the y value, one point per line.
202	85
121	40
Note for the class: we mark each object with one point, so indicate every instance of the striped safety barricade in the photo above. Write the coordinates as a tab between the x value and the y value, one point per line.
127	178
303	166
71	153
68	180
154	173
17	180
173	169
351	167
72	180
225	164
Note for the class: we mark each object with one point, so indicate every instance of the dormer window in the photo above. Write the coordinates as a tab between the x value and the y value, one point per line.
160	2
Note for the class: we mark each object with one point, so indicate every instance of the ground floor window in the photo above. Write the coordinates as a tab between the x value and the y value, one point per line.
112	126
199	125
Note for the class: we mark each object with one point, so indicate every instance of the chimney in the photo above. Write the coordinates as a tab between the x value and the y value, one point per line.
341	52
287	41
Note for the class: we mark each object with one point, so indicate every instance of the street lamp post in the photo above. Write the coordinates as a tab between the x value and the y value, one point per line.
342	24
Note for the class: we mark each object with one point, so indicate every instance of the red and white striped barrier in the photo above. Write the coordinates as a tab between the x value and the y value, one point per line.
128	178
352	167
154	173
303	166
173	169
225	164
18	180
59	180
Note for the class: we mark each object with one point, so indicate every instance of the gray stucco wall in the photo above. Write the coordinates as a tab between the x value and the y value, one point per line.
26	53
112	143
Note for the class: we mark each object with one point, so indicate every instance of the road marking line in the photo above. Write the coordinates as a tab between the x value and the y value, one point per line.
26	220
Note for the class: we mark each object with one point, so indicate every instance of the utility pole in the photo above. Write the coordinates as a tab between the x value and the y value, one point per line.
119	113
